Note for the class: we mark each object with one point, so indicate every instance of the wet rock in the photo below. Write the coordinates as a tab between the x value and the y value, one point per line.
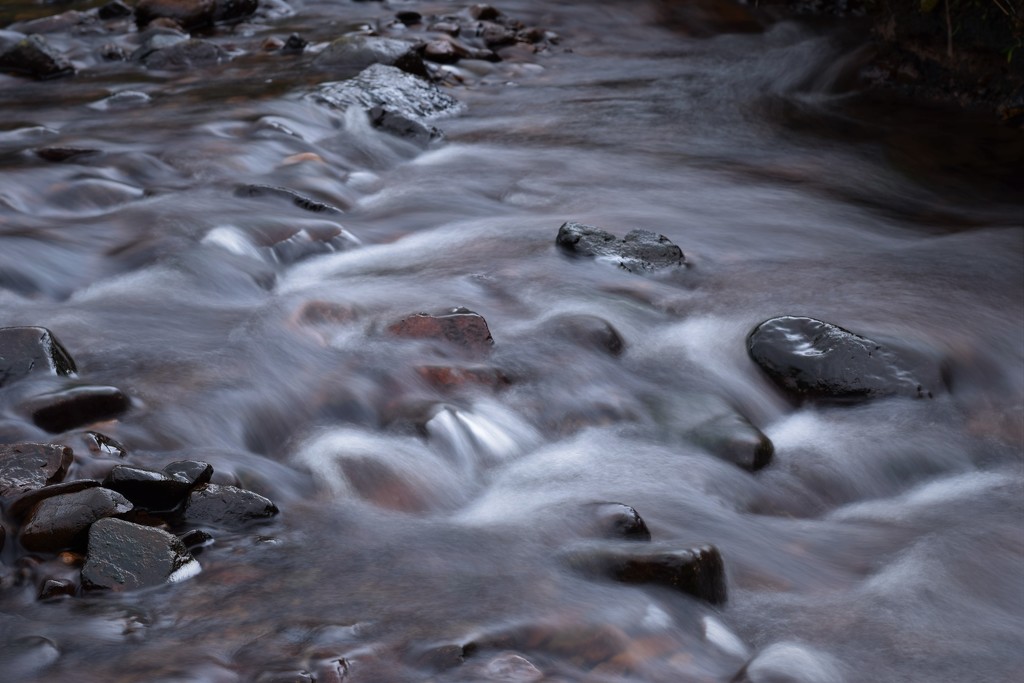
618	520
300	200
63	521
226	506
409	17
586	330
27	466
192	472
393	91
24	350
496	36
461	327
125	556
182	55
24	657
295	44
33	56
482	12
189	14
77	407
20	505
230	11
790	663
147	490
114	10
102	445
640	251
811	359
403	127
731	437
695	571
196	538
56	23
57	588
349	55
61	154
448	377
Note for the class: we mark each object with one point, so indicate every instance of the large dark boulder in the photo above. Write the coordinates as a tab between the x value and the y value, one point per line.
33	56
124	556
811	359
77	407
24	350
640	251
226	506
27	466
63	521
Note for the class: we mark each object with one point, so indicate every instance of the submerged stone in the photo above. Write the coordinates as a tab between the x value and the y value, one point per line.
393	91
63	521
461	327
733	438
226	506
586	330
298	199
351	54
33	56
698	572
125	556
811	359
640	251
24	350
618	520
186	54
146	489
27	466
77	407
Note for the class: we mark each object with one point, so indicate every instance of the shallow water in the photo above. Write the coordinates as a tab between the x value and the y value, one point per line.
421	527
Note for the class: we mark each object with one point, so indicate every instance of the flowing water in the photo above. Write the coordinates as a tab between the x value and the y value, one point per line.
423	529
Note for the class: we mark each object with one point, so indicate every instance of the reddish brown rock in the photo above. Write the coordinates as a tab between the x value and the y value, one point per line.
447	377
461	327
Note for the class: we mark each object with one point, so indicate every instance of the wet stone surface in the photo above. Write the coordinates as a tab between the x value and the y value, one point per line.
811	359
586	330
77	407
62	521
461	327
125	556
618	520
20	505
28	466
146	489
226	506
192	472
640	251
32	56
24	350
731	437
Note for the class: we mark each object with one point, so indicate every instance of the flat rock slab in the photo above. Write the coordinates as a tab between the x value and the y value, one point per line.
63	521
391	89
24	350
811	359
640	251
698	572
460	327
226	506
77	407
126	556
27	466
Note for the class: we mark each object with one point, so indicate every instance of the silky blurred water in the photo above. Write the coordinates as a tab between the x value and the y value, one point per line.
884	542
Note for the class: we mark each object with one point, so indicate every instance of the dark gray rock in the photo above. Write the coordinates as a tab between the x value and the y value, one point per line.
77	407
27	466
586	330
183	55
33	56
61	154
403	127
20	505
24	350
618	520
811	359
189	14
114	10
226	506
57	588
192	472
63	521
695	571
298	199
392	90
124	556
231	11
349	55
731	437
147	490
640	251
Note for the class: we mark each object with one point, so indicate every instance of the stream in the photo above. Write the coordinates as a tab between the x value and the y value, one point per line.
430	494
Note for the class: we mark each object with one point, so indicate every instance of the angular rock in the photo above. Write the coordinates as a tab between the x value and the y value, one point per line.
226	506
349	55
461	327
640	251
20	505
56	588
114	10
192	472
695	571
188	14
125	556
63	521
27	466
618	520
147	490
33	56
103	445
391	89
731	437
403	127
586	330
811	359
77	407
183	55
24	350
296	198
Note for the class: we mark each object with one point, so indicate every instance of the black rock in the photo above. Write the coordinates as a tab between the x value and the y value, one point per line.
147	490
295	44
62	521
811	359
230	11
124	556
226	506
180	56
24	350
349	55
403	127
33	56
196	538
296	198
483	12
695	571
20	505
56	588
103	445
391	89
192	472
27	466
188	14
640	251
60	154
618	520
114	10
731	437
586	330
77	407
409	17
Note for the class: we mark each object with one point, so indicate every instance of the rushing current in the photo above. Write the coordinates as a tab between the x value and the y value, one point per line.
425	525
